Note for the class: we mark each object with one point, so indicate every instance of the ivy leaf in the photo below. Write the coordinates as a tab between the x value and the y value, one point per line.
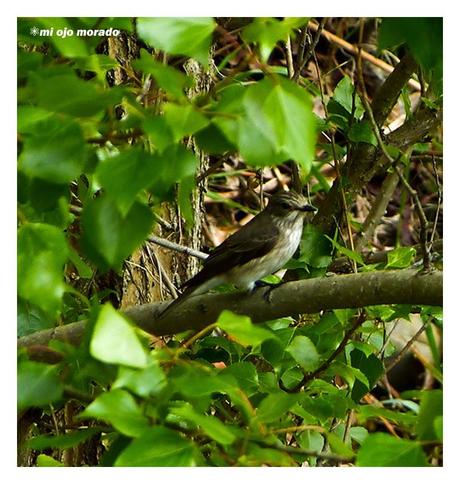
120	409
158	446
383	450
123	176
430	410
42	253
422	35
210	425
115	341
70	45
168	78
184	119
108	236
363	133
274	406
315	250
344	93
55	152
304	352
143	382
64	441
179	35
346	252
400	257
267	31
278	124
242	330
38	384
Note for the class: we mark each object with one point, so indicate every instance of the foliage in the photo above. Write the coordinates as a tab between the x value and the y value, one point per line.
97	161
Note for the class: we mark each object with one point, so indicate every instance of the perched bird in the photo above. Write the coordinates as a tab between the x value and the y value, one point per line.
261	247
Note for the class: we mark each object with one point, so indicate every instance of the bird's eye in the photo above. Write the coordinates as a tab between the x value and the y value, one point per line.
286	206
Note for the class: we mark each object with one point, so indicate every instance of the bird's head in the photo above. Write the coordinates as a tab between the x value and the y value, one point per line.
290	205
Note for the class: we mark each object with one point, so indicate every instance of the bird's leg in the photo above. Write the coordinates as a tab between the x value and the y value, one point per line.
268	291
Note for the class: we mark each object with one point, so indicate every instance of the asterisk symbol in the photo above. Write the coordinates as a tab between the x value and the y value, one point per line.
34	31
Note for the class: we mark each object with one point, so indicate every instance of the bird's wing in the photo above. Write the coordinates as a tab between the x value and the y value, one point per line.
252	241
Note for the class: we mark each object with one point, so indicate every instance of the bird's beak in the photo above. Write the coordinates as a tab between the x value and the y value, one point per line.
308	208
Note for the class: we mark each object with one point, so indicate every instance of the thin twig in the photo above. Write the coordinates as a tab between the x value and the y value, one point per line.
306	56
308	453
177	247
311	376
438	207
405	349
377	210
355	50
421	216
161	272
289	60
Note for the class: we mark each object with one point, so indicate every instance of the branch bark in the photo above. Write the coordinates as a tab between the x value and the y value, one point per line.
366	160
292	298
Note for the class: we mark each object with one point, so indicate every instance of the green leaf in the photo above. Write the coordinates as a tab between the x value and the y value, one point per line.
159	131
38	384
315	250
42	253
175	164
400	257
245	374
383	450
180	35
211	426
346	252
349	374
256	456
29	116
69	45
438	427
115	341
119	409
274	407
123	176
84	270
292	377
423	35
63	441
88	97
278	124
158	447
344	93
44	460
359	434
304	352
145	382
184	120
363	133
430	409
338	446
310	440
108	237
241	329
169	79
55	151
370	366
267	31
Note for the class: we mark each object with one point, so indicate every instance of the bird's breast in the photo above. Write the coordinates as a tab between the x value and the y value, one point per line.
244	276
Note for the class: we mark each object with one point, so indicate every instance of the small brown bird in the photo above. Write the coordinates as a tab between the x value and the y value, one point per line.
261	247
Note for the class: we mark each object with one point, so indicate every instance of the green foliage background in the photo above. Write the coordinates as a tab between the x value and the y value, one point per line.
174	405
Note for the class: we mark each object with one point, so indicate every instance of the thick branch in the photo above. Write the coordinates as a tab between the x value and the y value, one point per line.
292	298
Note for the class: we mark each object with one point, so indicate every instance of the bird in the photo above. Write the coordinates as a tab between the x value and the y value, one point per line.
261	247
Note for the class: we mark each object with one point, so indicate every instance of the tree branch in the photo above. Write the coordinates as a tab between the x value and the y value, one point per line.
291	298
